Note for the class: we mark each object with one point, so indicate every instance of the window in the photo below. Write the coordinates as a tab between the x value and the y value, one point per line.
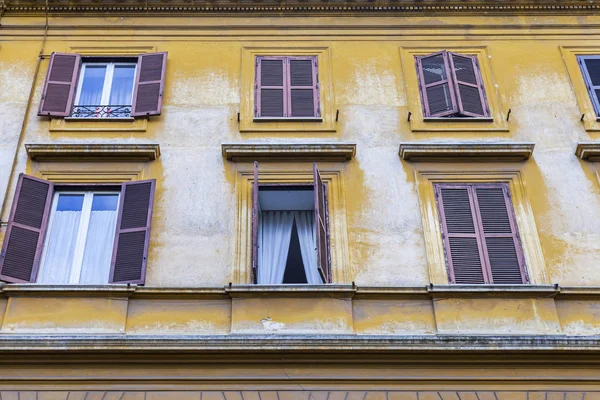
590	68
100	87
479	232
290	232
286	87
451	86
77	234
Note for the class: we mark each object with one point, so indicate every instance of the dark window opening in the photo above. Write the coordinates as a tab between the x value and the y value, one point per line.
294	268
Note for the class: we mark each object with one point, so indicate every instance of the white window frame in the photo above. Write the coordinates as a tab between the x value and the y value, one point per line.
108	79
82	231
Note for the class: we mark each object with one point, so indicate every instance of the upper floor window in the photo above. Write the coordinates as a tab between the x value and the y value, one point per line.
451	86
286	88
77	234
480	235
100	87
290	241
590	68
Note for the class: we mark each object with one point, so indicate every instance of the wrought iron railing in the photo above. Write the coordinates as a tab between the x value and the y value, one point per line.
94	111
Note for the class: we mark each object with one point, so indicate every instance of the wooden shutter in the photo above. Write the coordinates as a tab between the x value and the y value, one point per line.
254	272
270	87
60	84
130	251
22	248
498	230
437	91
303	87
149	84
468	85
464	255
590	69
321	226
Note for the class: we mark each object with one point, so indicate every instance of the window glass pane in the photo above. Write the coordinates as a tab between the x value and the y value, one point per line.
61	238
122	85
91	87
593	67
100	239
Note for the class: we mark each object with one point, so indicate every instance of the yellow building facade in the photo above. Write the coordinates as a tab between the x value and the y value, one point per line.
394	309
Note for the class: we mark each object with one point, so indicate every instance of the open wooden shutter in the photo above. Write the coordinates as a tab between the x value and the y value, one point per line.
304	91
590	69
464	255
60	84
254	272
501	243
321	226
468	85
132	238
437	91
24	240
269	87
149	84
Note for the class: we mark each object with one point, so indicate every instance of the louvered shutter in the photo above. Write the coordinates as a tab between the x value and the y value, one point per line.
304	90
270	83
323	263
254	272
590	69
149	84
22	248
132	238
60	84
468	85
462	244
437	91
501	243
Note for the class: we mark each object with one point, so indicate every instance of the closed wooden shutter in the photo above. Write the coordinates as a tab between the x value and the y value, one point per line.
590	69
24	240
60	84
304	89
132	238
437	91
468	85
255	216
480	234
323	263
270	87
149	84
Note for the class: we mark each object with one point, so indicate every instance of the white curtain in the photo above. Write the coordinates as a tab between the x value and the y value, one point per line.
307	235
98	248
91	87
122	85
59	249
274	235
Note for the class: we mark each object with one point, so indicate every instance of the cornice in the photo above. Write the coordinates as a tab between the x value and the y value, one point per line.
483	151
288	151
129	151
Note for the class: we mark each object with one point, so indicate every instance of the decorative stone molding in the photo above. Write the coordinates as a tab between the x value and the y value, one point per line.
588	151
272	151
480	151
61	151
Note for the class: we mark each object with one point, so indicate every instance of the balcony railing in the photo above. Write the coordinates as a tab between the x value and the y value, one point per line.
95	111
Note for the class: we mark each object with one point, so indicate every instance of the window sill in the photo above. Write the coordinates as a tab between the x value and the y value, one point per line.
457	119
289	119
493	290
312	291
33	289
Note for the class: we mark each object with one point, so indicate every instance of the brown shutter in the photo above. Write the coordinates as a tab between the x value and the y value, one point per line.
22	249
130	252
499	233
254	272
321	227
303	93
437	91
464	255
271	100
468	85
149	84
59	88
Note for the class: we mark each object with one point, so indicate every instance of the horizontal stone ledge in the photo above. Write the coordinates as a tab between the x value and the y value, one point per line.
469	151
588	151
122	151
288	151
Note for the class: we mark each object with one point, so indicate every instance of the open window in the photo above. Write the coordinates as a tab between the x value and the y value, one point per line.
103	87
77	234
290	242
